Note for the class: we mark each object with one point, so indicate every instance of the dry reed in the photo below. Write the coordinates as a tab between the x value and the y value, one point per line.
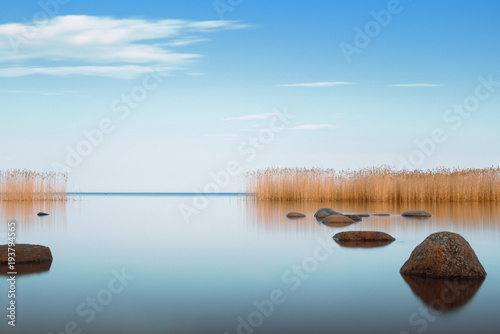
26	185
378	184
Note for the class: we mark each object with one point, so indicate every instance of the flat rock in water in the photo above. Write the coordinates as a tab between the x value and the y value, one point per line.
325	212
337	221
444	254
42	214
362	236
295	215
26	253
380	214
362	215
356	218
417	214
364	239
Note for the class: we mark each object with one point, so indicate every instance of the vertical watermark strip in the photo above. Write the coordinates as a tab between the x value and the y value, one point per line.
11	265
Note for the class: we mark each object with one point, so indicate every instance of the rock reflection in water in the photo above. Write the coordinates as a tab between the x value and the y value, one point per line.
27	268
363	244
444	294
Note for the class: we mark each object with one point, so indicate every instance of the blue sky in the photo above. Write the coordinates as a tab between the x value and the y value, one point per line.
223	79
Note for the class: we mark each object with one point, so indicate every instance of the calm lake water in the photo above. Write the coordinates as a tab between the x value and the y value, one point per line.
241	267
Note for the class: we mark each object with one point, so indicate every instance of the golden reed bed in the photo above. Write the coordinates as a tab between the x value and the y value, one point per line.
26	185
378	184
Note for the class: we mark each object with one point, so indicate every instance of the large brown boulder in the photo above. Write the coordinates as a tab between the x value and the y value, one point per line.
337	221
295	215
444	254
325	212
26	253
417	214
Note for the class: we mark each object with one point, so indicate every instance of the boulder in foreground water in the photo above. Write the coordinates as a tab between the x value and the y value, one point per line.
26	253
295	215
417	214
444	254
325	212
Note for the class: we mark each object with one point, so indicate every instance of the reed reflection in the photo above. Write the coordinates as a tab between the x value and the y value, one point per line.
471	217
24	213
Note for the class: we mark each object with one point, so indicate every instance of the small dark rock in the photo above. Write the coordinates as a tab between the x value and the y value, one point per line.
42	214
295	215
325	212
356	218
380	214
417	214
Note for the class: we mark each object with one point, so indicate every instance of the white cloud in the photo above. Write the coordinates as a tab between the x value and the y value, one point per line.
318	84
415	85
312	127
255	117
120	72
77	43
36	92
340	115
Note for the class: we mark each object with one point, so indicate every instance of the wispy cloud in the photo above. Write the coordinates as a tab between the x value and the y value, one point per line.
313	127
39	92
91	45
339	115
415	85
318	84
255	117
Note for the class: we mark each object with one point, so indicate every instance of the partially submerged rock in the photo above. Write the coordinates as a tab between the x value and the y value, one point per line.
362	215
337	221
295	215
417	214
444	254
380	214
26	253
364	239
363	236
42	214
356	218
325	212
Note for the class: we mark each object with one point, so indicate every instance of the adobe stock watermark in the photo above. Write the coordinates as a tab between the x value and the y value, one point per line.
454	118
292	280
122	108
223	6
371	30
88	310
49	9
421	319
247	151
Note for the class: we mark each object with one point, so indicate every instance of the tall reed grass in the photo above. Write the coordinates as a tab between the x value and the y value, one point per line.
380	184
26	185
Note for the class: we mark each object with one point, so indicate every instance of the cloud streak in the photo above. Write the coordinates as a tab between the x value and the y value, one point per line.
313	127
318	84
256	117
414	85
92	45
